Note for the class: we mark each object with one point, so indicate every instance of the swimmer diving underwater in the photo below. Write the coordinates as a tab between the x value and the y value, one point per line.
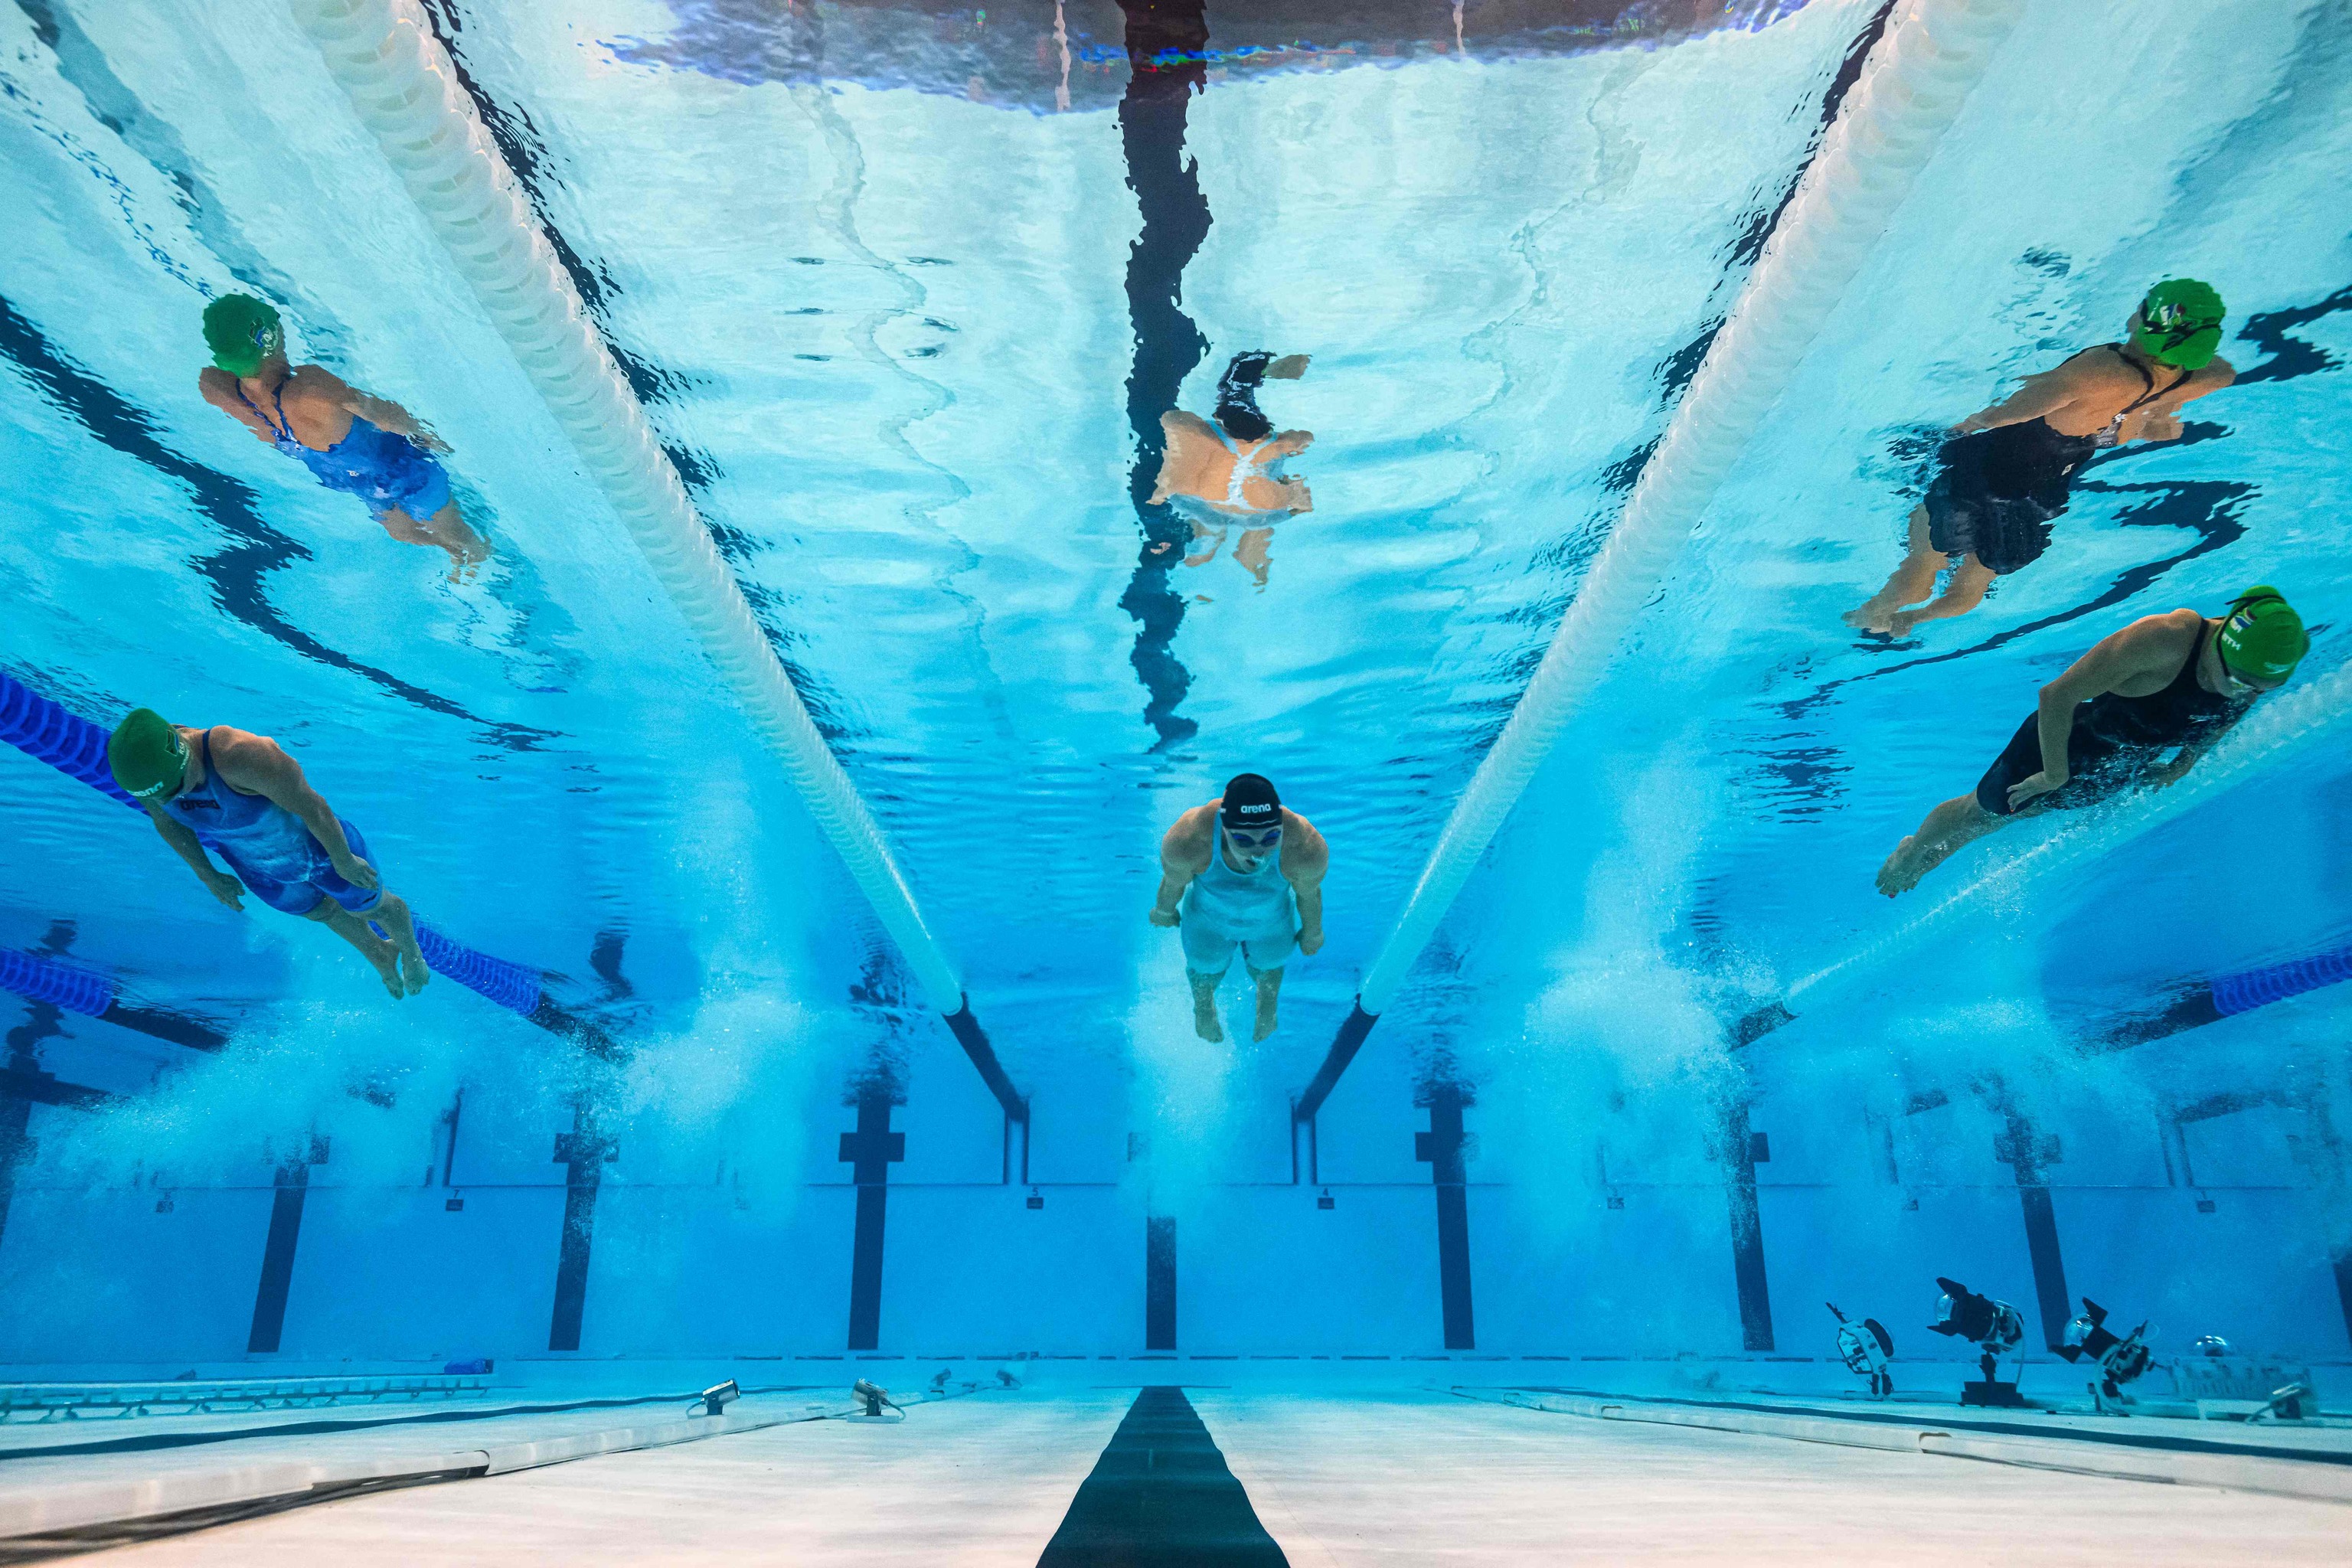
2172	683
363	445
251	804
1242	872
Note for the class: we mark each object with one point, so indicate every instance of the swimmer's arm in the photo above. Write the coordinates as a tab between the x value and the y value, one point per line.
2162	423
219	389
1305	865
257	765
380	412
2044	394
1183	854
2147	646
189	848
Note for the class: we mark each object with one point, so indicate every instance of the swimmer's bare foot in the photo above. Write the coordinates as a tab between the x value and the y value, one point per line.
1873	617
1204	1017
1899	624
387	959
1269	991
1267	1019
393	914
1903	867
1289	367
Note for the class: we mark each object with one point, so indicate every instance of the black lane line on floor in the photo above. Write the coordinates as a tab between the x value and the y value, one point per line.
1160	1497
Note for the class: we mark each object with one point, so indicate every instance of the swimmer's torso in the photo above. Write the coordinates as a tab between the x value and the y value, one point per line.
254	829
1235	478
1239	903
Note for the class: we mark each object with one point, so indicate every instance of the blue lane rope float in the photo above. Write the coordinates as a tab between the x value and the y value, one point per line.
2255	988
95	995
42	728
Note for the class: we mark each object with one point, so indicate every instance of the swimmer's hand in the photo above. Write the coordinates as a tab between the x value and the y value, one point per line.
422	438
1160	917
2026	789
1310	942
358	873
227	889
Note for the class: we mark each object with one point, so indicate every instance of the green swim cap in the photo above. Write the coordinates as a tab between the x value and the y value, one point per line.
2180	323
2262	637
145	753
242	332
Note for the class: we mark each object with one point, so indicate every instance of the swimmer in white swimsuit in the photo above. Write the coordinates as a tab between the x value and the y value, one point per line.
1229	471
1242	872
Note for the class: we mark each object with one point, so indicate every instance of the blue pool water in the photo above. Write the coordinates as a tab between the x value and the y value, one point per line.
883	277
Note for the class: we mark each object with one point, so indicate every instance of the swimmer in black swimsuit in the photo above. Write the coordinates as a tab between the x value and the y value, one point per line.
2006	473
2165	683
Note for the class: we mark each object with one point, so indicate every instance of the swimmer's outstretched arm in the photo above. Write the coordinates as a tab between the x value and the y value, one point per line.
256	765
2044	394
380	412
189	848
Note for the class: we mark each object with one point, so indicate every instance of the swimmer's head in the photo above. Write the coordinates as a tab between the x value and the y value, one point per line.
1252	815
146	755
2261	638
244	334
2179	323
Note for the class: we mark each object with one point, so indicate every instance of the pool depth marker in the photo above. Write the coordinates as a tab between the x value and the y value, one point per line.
384	56
1910	90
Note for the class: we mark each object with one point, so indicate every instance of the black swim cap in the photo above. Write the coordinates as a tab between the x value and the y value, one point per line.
1251	803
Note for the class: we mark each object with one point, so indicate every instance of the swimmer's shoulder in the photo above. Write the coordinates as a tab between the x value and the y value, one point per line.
1192	836
1307	850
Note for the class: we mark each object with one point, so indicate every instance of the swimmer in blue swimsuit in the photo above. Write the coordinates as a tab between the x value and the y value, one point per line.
360	445
1230	471
243	797
1244	872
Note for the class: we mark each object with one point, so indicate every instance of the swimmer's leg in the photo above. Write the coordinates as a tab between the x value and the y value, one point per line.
1269	993
374	948
1250	550
1965	593
1216	538
1913	580
446	530
1958	822
1204	1006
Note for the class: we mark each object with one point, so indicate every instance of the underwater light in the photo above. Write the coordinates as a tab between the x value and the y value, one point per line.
1864	1347
2120	1360
872	1398
715	1399
1996	1328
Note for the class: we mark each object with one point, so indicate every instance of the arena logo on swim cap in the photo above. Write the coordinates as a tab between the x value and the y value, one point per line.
1251	801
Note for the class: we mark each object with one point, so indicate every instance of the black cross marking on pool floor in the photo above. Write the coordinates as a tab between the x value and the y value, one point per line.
1160	1497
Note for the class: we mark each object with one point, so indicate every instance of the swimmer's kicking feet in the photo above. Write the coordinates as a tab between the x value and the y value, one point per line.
1248	872
254	807
2163	682
363	445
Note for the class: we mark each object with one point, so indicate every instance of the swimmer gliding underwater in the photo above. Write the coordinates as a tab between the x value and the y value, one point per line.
1227	471
2005	474
363	445
1242	872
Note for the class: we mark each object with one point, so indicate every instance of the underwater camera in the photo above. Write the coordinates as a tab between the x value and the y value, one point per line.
1864	1347
873	1400
714	1400
2120	1359
1994	1326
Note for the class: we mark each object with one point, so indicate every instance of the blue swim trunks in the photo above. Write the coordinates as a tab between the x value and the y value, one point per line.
299	896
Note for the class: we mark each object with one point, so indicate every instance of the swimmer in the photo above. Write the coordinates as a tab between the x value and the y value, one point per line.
2172	683
2007	471
1249	872
354	443
250	800
1223	473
